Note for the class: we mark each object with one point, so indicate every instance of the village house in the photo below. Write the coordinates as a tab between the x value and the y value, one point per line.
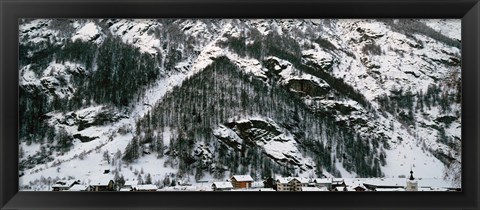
291	183
338	183
63	185
322	183
102	184
296	183
341	188
129	185
360	188
241	181
283	184
146	188
222	186
79	187
384	183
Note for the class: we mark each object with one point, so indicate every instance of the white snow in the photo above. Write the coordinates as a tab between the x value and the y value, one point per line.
449	27
56	78
89	32
242	178
223	185
78	187
139	33
281	147
403	157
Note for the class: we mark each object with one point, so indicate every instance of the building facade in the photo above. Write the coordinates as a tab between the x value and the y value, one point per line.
241	181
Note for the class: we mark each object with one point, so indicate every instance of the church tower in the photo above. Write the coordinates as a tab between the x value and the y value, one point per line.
412	184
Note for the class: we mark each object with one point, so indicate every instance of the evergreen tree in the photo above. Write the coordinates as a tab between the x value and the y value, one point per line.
132	151
148	179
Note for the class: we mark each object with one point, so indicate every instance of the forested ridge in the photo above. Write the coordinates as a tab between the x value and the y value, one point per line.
206	98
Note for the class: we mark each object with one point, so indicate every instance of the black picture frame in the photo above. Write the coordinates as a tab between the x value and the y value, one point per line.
12	10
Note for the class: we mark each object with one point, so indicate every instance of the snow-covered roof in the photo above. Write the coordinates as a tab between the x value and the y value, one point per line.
285	180
223	185
101	181
314	189
243	178
131	183
338	180
397	182
400	182
322	181
302	180
253	189
78	187
65	183
147	187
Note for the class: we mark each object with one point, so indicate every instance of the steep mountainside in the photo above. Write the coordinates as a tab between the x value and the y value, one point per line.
187	100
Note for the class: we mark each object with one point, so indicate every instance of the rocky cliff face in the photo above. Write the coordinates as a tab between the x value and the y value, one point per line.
366	98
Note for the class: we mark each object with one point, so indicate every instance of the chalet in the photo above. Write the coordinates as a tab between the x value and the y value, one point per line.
384	183
360	188
270	183
322	183
222	186
63	185
79	187
130	185
102	184
254	189
146	188
340	188
283	184
338	183
291	183
241	181
296	183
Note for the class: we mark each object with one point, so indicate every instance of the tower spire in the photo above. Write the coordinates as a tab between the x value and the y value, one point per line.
411	174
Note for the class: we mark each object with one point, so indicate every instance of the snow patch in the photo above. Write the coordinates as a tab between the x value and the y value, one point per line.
89	32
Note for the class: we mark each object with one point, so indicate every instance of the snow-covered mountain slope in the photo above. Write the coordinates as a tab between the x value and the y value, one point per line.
197	99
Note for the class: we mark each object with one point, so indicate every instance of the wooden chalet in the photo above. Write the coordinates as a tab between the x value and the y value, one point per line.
102	184
241	181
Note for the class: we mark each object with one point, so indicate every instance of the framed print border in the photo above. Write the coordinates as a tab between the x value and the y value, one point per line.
12	10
